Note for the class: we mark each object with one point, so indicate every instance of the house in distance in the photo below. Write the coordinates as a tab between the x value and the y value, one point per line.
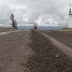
70	18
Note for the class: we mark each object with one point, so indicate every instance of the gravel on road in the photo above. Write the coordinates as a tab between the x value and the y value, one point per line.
46	57
64	37
14	51
30	51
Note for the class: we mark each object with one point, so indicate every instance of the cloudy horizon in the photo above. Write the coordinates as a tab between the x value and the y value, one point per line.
41	12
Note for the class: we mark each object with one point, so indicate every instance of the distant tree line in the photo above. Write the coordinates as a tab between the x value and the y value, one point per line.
14	23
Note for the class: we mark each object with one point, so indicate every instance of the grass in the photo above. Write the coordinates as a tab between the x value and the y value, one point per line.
65	29
6	29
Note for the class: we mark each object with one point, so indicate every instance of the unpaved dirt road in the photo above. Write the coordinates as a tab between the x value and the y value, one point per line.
59	45
14	51
47	57
64	37
30	51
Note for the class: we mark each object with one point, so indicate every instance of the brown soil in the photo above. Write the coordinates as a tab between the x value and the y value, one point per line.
5	29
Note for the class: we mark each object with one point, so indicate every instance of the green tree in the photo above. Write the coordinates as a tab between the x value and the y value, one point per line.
14	23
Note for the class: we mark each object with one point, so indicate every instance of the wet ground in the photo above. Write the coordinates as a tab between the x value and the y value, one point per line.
30	51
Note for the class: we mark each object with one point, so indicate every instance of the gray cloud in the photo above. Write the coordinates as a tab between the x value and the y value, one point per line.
31	11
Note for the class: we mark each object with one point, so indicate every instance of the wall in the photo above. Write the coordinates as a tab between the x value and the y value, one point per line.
70	21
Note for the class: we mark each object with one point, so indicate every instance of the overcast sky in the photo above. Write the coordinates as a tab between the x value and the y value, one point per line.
41	12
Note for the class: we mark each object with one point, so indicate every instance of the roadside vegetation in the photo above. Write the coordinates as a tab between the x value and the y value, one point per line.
14	23
65	29
6	29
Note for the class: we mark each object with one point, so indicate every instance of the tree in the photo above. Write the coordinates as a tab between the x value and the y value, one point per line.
14	23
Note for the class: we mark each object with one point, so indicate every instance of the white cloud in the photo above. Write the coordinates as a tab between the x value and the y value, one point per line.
17	6
43	12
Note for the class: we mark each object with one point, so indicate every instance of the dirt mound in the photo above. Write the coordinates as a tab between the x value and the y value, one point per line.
64	37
